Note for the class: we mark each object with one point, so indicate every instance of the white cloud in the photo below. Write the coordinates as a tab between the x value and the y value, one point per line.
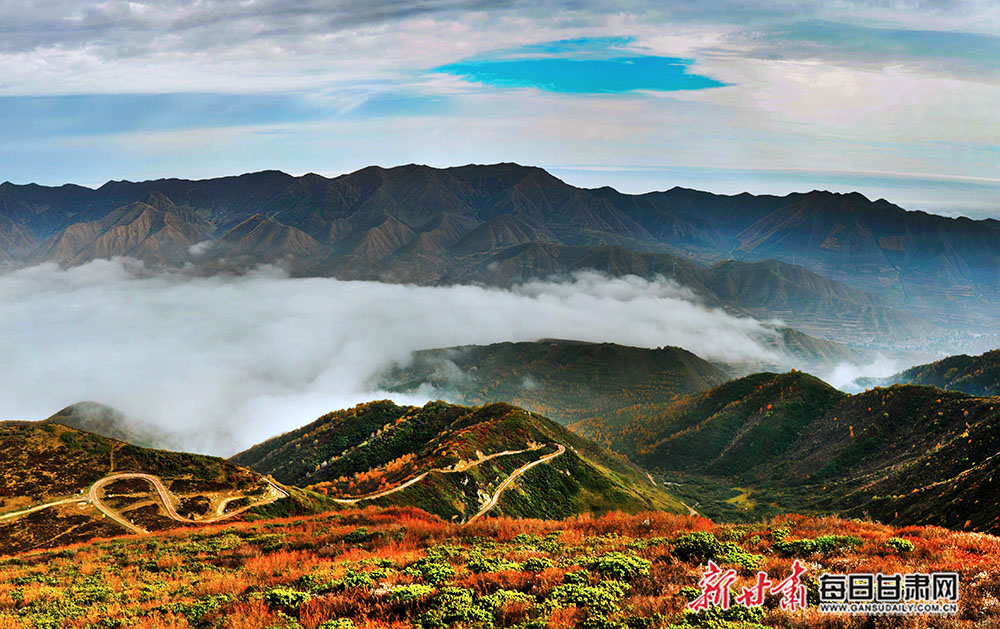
226	362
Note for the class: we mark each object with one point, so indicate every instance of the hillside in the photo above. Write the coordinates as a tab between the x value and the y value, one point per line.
904	455
419	224
568	381
405	568
976	375
111	423
454	461
60	485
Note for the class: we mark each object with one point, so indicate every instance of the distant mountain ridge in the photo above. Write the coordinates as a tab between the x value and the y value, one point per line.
568	381
975	375
420	224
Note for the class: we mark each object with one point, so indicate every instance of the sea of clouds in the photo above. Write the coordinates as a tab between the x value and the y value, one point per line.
224	362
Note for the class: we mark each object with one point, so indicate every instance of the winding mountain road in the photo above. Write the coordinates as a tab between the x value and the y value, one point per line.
461	467
510	479
274	493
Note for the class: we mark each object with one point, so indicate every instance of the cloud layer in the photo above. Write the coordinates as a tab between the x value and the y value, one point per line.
227	362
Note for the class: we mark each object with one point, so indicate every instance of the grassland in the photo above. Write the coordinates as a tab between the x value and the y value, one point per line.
401	567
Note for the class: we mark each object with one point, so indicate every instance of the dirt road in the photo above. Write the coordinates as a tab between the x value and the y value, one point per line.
460	467
16	514
510	479
274	493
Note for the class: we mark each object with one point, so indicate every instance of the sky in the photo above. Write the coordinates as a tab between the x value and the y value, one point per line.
893	98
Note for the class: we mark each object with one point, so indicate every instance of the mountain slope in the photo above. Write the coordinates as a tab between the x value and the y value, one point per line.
456	461
976	375
111	423
572	382
262	240
766	290
155	235
906	454
60	485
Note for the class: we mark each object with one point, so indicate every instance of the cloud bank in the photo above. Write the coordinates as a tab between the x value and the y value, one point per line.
225	362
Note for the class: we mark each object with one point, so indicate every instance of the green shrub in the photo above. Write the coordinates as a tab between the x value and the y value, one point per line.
454	606
899	544
500	598
822	544
478	563
736	617
286	598
536	564
410	593
358	535
703	546
434	572
597	621
354	579
601	598
619	566
577	577
339	623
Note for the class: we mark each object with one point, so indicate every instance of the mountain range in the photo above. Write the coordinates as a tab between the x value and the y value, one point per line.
837	265
567	381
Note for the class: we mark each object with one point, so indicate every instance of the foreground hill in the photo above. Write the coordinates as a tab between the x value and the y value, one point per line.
976	375
906	454
60	485
457	462
419	224
405	568
568	381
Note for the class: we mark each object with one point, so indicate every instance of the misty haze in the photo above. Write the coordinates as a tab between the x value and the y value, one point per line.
226	361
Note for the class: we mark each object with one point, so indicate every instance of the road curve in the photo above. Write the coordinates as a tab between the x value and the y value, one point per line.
442	470
510	479
275	491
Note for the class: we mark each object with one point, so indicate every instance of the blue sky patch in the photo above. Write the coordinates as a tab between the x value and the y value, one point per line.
584	76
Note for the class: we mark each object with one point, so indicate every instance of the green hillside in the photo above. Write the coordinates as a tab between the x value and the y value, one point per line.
462	456
593	387
112	423
769	442
976	375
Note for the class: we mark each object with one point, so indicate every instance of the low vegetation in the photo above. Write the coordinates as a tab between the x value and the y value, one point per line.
401	567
